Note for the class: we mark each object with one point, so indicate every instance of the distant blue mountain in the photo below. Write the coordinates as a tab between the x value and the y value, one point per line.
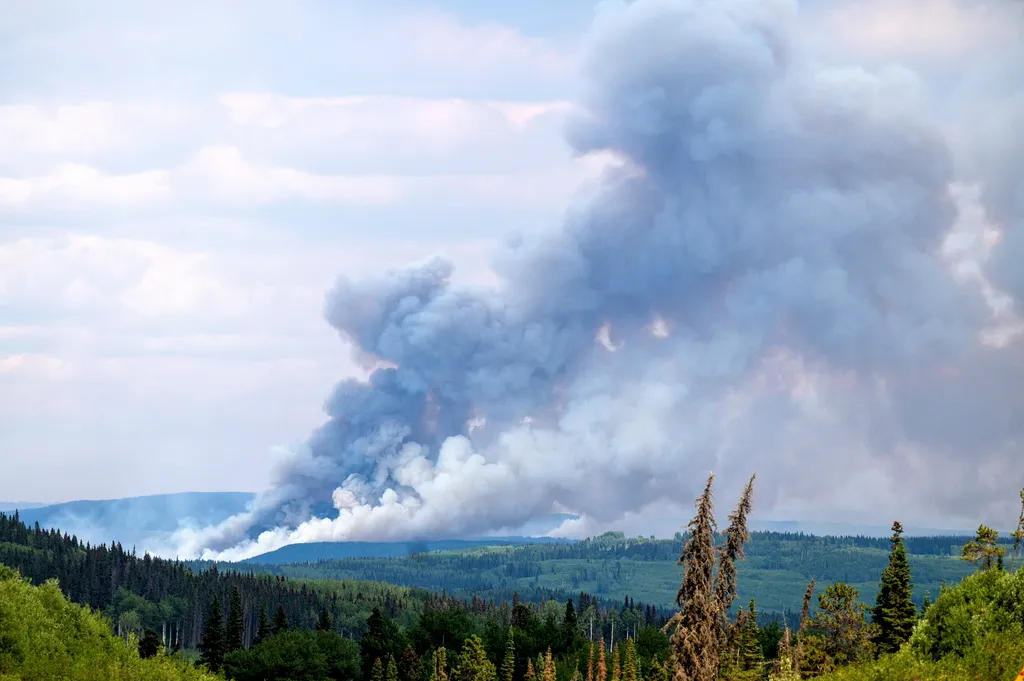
138	521
6	506
310	553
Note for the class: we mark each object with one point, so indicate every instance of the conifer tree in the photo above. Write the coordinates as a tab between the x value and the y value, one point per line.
845	632
569	625
658	671
784	668
473	663
805	611
409	666
530	673
263	631
323	623
894	612
377	671
602	666
440	665
234	632
508	664
736	535
549	667
631	667
751	658
391	671
695	643
984	548
211	646
590	662
616	665
149	644
280	621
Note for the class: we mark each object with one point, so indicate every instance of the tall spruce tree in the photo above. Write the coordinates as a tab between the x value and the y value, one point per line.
211	646
751	657
280	621
694	643
894	612
805	618
508	664
263	630
380	640
234	632
391	670
549	667
440	665
630	665
736	535
473	663
409	666
323	622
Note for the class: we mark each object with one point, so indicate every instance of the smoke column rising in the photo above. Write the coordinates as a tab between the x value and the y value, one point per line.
762	282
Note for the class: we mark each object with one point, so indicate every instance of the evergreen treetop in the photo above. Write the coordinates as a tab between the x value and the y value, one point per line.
894	613
211	647
234	632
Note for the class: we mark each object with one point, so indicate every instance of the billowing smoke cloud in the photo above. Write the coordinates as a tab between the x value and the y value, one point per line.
764	281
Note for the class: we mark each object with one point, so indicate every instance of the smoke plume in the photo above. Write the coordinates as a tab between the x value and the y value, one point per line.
794	266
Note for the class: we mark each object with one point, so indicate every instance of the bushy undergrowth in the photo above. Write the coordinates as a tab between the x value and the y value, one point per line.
974	630
43	637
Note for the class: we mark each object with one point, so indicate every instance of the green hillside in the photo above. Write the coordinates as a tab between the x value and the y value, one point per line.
612	567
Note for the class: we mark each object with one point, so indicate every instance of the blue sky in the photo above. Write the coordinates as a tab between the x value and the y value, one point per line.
181	183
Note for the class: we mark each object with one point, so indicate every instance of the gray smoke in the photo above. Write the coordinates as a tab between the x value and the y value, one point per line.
762	283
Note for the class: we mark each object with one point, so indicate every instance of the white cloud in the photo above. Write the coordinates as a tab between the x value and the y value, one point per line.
82	274
85	129
80	184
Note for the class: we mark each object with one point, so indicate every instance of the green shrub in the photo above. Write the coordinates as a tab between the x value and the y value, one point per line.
973	631
46	638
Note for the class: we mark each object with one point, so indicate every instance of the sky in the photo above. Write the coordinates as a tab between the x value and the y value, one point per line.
180	187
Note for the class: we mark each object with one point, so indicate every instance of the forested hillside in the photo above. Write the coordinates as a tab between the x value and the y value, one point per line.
775	572
251	627
144	592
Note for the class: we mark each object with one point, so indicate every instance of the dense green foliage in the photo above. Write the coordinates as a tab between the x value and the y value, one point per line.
44	637
974	630
296	656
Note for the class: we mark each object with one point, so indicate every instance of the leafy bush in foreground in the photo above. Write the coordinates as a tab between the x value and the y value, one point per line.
43	637
974	630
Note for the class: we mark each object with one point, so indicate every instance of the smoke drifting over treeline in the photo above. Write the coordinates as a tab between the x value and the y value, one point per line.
786	270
